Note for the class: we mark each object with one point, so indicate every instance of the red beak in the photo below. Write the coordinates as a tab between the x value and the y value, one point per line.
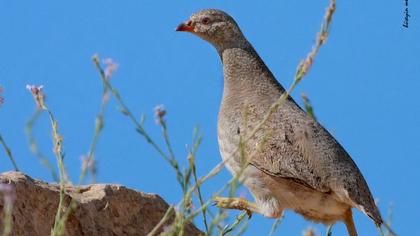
186	26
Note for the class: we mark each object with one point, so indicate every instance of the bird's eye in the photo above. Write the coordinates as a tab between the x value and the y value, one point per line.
205	21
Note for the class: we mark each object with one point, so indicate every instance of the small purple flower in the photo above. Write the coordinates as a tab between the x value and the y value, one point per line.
38	95
160	112
34	89
110	68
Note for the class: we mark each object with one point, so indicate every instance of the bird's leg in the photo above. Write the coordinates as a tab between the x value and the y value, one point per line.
348	220
236	203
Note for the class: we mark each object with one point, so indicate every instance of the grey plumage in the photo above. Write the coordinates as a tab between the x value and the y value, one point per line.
293	161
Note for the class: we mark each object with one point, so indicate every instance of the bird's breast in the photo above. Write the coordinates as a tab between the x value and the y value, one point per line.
228	132
236	121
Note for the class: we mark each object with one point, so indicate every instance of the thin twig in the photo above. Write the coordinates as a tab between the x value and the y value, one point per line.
196	142
165	218
33	146
37	93
58	228
230	228
275	225
308	106
124	109
8	153
171	159
99	125
9	197
329	230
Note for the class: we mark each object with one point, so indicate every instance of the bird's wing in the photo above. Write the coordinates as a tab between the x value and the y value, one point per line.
290	151
302	150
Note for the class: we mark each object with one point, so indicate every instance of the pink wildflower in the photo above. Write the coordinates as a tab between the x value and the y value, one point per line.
110	68
38	95
160	112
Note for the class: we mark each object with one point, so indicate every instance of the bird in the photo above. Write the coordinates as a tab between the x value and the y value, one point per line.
292	161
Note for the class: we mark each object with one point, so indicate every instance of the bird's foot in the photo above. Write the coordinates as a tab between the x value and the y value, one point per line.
236	203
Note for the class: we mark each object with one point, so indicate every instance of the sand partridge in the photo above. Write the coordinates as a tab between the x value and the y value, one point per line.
292	162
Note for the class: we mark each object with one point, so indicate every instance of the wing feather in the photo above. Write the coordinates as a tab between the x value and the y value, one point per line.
299	148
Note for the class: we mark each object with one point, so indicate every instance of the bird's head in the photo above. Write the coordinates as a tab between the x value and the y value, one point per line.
214	26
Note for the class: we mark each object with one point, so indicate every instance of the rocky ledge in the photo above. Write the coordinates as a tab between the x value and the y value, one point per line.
102	209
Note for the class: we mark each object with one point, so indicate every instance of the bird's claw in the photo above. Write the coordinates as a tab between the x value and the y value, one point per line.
219	202
249	213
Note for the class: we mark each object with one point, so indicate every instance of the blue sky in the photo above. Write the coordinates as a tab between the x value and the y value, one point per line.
364	88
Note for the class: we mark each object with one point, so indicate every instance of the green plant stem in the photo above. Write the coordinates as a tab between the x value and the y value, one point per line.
99	125
171	159
308	106
276	223
7	220
164	219
124	109
200	197
196	142
8	201
230	228
8	153
33	146
329	230
58	228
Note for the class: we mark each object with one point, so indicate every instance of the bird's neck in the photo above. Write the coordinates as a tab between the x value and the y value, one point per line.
234	42
246	75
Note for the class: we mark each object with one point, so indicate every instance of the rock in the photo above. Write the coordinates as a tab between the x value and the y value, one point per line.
102	209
